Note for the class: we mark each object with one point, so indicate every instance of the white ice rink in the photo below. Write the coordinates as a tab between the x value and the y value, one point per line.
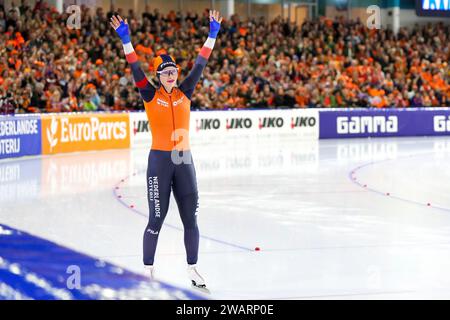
334	219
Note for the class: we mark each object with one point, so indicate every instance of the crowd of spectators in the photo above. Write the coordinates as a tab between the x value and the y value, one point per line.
46	66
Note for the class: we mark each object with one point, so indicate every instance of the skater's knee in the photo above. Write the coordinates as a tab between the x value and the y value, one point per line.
189	203
153	228
190	224
188	210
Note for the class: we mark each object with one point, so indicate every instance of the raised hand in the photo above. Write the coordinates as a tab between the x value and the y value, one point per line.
121	28
214	23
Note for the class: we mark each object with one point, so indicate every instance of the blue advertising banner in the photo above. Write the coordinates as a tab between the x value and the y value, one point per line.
348	123
20	136
433	8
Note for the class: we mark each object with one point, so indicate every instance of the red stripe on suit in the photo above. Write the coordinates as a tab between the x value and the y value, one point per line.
205	52
132	57
142	83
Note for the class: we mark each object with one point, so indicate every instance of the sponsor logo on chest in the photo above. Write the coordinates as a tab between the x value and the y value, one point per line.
162	102
177	102
165	103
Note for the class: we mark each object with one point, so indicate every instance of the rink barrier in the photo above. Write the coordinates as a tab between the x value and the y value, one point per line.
24	135
207	125
353	123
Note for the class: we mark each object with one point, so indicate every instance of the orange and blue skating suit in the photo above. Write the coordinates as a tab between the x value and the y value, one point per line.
168	115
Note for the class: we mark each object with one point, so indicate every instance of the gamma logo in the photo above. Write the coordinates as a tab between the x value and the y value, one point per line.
441	123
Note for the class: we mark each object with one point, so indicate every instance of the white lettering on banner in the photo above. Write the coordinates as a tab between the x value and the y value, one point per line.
64	127
93	130
271	122
441	123
19	127
9	146
367	124
239	123
207	124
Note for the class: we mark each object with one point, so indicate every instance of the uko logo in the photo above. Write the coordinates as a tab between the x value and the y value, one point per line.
141	126
299	122
270	122
239	123
207	124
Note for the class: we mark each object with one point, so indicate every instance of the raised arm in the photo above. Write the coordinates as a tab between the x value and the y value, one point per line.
146	90
188	85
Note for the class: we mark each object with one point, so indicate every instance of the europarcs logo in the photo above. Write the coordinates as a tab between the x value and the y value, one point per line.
51	133
84	132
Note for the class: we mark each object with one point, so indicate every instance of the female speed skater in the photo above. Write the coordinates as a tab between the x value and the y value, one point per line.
170	164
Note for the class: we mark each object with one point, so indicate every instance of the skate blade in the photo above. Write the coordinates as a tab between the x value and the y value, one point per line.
201	288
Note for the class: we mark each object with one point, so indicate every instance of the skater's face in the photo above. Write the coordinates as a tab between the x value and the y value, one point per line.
168	78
